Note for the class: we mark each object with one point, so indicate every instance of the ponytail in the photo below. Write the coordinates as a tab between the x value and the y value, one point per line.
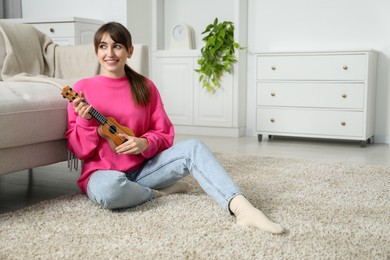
139	87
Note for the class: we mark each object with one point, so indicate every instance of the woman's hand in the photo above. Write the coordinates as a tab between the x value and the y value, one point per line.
82	108
133	145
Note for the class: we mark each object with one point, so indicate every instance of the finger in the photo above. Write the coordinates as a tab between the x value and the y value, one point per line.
76	102
126	136
83	110
127	148
123	150
79	99
86	111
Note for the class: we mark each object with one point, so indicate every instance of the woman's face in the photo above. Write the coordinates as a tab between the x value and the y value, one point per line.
112	57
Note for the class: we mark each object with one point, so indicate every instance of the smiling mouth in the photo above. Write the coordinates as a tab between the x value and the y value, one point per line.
111	62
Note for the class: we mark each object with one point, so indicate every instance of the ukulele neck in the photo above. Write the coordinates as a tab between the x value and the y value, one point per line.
96	114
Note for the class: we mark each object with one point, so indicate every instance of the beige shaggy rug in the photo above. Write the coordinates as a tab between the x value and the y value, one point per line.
331	211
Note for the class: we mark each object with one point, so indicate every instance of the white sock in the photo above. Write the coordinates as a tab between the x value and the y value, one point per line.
248	215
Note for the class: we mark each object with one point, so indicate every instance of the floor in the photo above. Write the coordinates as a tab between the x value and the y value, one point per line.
24	188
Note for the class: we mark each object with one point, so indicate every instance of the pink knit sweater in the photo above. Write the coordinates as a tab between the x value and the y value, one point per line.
112	98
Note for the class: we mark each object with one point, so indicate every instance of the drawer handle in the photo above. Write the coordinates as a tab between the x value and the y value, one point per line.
52	30
344	95
345	67
272	120
273	68
273	94
343	123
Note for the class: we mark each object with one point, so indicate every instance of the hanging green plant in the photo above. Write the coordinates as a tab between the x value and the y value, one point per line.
218	54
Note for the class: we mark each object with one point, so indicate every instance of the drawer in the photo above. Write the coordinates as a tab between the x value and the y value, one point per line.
312	67
56	29
309	94
310	122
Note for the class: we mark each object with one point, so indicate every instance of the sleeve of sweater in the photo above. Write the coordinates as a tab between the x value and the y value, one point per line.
82	134
161	132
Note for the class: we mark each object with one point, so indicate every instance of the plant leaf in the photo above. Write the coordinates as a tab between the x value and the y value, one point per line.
218	54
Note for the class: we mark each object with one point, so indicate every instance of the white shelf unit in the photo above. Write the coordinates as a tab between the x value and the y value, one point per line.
190	107
65	31
328	94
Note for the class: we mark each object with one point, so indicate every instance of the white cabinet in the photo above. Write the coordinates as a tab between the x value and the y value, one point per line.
175	78
316	94
191	108
65	31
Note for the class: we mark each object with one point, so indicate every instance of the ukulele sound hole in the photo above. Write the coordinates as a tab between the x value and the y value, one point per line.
112	129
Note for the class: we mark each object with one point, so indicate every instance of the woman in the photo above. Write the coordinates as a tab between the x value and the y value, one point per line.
147	165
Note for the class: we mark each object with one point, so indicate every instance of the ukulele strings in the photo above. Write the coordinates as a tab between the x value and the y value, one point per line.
107	123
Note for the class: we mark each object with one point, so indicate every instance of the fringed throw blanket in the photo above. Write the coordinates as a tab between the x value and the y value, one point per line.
32	56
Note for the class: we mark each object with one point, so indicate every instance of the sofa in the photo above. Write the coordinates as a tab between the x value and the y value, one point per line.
33	71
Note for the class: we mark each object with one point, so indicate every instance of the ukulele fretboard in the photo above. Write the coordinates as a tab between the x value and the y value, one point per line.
99	117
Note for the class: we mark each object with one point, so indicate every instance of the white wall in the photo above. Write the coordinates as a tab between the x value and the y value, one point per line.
139	20
281	25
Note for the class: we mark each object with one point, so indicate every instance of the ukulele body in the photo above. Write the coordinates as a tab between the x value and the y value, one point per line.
110	131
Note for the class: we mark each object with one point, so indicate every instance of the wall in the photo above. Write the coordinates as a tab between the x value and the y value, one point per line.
281	25
139	20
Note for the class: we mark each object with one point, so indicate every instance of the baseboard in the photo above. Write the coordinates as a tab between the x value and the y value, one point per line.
211	131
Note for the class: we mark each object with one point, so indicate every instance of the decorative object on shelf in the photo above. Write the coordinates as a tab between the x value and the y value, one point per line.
218	55
182	37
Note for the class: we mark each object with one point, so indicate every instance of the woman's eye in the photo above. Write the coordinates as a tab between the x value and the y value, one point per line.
117	46
102	46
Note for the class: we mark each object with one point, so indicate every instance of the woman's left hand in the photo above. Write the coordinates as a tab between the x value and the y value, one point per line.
133	145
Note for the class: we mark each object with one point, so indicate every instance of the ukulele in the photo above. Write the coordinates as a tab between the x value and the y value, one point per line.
109	128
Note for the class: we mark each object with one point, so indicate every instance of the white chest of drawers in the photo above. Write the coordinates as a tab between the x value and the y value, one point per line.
316	94
65	31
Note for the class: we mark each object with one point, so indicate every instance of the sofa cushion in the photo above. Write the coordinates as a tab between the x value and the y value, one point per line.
31	112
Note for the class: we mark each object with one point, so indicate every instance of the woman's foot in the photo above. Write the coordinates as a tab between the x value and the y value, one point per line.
248	215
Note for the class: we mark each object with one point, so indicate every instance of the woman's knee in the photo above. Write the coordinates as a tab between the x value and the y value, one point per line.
107	190
112	190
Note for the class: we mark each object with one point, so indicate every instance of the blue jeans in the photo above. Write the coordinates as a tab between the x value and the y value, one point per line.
114	189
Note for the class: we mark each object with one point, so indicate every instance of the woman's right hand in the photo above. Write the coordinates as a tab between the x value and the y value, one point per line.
82	108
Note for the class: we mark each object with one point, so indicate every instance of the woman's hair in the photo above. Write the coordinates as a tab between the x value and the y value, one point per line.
119	34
